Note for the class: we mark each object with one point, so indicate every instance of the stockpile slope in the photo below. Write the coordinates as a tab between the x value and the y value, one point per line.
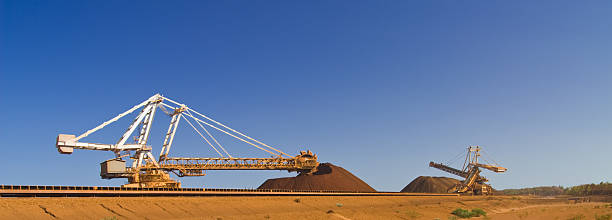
429	184
327	177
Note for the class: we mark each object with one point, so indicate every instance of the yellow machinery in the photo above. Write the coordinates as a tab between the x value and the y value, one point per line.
149	171
471	173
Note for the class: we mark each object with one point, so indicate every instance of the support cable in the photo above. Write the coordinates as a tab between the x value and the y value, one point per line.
213	138
198	122
238	132
218	123
467	160
197	119
495	162
455	158
194	128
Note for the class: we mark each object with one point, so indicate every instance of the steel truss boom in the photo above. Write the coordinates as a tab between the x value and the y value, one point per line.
470	172
150	171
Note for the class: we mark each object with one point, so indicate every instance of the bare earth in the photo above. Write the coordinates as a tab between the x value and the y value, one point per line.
498	207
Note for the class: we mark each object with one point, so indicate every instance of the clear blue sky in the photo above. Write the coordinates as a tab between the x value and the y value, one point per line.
377	87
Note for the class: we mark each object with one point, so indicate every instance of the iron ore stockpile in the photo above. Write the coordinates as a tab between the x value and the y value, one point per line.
327	177
429	184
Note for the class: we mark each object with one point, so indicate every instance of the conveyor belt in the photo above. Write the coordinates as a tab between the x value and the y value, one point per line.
104	191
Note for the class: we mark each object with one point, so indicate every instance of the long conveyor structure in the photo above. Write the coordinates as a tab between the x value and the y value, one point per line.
106	191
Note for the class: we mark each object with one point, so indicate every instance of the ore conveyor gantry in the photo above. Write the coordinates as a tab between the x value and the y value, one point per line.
471	173
146	170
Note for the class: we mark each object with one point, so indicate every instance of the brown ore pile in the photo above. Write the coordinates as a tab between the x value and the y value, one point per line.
428	184
327	177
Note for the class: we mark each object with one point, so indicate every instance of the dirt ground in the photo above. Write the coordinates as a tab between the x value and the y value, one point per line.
497	207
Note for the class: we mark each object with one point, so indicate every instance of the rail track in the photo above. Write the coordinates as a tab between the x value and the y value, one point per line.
105	191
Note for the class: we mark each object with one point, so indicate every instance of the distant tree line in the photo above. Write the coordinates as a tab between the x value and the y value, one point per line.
603	188
539	191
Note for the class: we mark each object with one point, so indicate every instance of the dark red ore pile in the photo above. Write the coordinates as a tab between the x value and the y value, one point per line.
327	177
428	184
